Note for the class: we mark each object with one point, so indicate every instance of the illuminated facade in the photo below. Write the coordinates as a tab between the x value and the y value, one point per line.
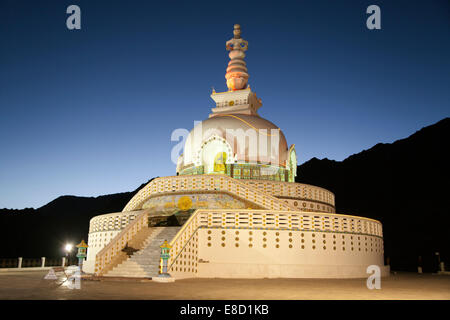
234	208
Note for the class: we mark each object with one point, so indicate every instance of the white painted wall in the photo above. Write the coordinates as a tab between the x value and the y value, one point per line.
315	259
102	229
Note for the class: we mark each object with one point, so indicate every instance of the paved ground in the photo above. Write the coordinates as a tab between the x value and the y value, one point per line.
32	285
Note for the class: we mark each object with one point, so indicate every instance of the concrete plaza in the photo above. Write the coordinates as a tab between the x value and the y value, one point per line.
403	286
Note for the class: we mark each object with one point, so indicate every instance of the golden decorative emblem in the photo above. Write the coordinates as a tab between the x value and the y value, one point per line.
219	162
185	203
231	103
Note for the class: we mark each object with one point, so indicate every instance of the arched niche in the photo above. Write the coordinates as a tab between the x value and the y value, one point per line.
215	153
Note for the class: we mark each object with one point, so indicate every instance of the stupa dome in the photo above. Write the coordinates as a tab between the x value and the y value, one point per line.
243	139
235	140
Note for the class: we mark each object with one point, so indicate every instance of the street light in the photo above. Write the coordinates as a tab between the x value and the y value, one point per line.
69	247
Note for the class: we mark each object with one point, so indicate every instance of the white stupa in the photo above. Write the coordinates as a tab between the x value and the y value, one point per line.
234	209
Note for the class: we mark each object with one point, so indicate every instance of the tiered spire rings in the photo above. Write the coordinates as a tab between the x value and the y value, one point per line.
237	76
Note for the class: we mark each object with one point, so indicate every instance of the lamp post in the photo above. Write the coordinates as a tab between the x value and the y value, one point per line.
82	248
164	276
438	262
68	249
165	255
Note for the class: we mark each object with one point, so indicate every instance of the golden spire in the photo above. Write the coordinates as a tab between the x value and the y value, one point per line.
237	76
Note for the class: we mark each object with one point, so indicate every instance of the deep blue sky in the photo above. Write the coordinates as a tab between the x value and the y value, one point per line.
91	112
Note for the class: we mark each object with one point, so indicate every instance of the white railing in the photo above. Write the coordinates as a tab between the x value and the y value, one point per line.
270	220
293	190
206	183
112	221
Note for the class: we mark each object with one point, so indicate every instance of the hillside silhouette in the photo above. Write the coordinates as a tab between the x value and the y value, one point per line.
43	232
404	185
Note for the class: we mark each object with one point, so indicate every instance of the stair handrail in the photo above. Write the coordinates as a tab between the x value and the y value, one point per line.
119	242
185	225
257	190
180	232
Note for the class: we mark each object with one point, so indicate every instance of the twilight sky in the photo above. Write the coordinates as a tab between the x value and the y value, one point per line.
91	112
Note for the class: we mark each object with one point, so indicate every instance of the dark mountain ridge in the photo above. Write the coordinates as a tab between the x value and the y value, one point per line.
403	184
33	233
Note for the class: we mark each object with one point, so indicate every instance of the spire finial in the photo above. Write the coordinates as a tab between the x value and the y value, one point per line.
237	75
237	31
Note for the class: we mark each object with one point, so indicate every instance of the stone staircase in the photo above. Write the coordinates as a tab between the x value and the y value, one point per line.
145	262
138	242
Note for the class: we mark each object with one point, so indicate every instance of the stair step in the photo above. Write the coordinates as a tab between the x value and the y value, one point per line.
145	262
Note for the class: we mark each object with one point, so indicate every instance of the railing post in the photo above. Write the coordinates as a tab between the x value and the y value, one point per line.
42	262
419	265
19	265
63	261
